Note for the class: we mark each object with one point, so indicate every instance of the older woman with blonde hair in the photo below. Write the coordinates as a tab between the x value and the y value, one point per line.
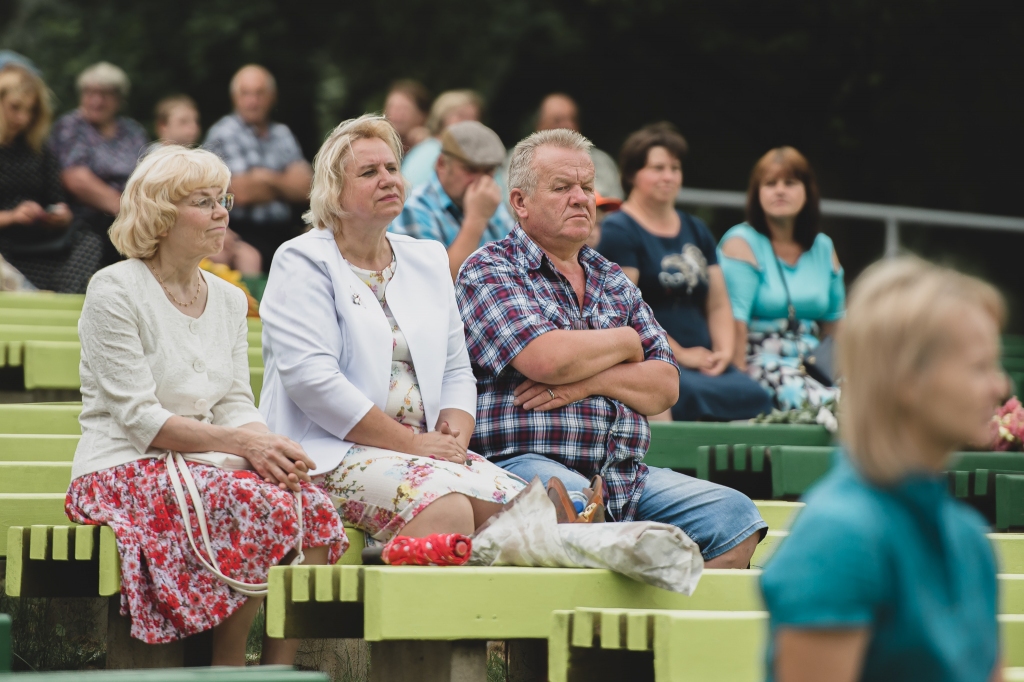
885	576
165	371
365	357
36	232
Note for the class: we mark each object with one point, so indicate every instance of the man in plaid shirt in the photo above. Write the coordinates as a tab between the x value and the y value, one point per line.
569	359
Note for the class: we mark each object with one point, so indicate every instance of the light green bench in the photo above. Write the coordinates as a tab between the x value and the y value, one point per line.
41	300
39	317
681	646
54	365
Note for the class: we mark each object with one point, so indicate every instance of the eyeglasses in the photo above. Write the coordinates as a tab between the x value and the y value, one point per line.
208	204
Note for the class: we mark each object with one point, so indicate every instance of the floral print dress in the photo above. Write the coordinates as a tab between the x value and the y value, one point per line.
378	490
164	589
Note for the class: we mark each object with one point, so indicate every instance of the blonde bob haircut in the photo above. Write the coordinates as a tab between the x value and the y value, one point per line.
166	175
18	82
897	323
325	209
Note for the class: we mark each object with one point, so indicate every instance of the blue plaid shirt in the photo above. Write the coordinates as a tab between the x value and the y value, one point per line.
430	213
242	149
509	293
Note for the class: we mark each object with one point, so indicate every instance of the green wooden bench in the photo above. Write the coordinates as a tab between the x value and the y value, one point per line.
676	445
681	646
39	317
793	468
39	300
245	674
632	644
1008	548
54	364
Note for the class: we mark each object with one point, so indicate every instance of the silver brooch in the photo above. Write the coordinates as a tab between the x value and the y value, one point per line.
356	299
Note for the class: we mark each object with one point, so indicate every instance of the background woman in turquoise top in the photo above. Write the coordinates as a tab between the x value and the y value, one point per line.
780	247
885	576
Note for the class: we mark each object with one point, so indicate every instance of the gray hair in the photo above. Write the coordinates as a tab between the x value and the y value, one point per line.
104	75
271	81
521	173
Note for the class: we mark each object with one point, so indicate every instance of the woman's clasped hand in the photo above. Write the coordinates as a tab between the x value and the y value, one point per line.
440	444
277	459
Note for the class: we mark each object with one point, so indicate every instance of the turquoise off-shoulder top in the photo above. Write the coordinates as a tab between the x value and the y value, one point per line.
816	287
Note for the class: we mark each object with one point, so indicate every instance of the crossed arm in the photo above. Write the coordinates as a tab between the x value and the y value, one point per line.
574	365
262	185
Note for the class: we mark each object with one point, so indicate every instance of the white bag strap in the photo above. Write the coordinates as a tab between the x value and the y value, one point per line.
176	462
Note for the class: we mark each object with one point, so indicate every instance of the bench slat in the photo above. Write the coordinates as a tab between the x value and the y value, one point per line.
35	477
37	447
28	418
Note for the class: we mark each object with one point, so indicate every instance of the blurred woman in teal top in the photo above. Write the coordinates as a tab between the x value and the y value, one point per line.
784	279
885	576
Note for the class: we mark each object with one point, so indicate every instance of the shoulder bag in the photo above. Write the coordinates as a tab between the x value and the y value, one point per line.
177	470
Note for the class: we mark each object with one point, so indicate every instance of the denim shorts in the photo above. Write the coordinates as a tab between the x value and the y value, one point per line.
715	517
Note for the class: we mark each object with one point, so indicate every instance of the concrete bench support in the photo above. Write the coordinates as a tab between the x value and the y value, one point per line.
428	661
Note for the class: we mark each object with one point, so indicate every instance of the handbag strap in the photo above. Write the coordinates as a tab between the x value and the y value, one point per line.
175	464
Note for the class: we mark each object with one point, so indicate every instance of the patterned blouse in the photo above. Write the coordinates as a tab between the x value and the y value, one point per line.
77	143
405	402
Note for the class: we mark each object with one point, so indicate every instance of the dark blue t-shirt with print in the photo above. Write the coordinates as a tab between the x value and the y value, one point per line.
673	271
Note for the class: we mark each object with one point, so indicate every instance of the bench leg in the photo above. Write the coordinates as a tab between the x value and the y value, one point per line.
428	661
123	651
527	660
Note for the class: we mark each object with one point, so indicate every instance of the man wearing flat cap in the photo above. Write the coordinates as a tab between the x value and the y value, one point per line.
460	206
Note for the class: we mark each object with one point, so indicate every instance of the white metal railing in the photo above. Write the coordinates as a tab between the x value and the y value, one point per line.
892	216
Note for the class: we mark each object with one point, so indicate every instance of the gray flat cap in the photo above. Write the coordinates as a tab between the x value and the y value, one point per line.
474	143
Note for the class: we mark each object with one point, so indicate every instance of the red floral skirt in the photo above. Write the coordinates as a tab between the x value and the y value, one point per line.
164	589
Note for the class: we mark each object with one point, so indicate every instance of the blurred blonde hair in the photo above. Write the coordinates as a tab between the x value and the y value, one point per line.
325	209
898	320
14	80
166	175
447	102
104	75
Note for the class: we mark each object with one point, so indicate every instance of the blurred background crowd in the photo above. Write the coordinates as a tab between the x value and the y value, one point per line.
913	104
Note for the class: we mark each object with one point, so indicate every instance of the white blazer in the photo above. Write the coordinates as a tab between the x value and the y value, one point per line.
327	343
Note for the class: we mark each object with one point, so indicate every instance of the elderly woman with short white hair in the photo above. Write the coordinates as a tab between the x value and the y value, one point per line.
97	149
165	373
365	356
885	575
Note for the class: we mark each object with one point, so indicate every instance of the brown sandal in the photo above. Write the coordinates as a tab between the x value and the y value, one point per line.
594	511
565	510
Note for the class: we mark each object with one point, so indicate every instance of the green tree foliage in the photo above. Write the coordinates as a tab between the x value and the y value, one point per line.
913	102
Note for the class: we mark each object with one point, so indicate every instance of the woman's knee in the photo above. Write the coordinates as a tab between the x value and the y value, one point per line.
451	513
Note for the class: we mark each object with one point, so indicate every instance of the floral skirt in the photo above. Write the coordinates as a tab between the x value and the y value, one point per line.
164	589
379	491
775	360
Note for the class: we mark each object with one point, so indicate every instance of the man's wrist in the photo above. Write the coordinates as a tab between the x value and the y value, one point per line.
475	223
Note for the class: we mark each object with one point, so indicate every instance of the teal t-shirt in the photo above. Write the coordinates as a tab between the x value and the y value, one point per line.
816	287
910	563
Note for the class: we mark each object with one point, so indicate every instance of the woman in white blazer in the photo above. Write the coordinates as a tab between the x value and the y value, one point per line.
365	357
